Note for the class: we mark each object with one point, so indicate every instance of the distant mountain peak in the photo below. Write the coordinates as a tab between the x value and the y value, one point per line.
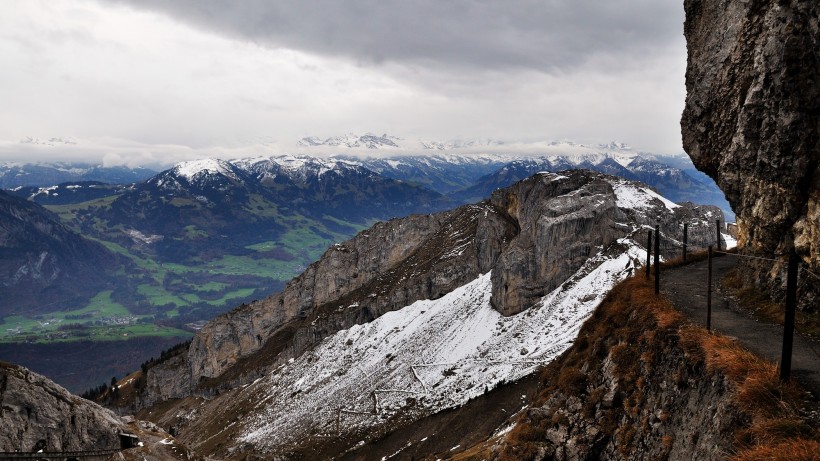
351	140
370	141
190	170
43	174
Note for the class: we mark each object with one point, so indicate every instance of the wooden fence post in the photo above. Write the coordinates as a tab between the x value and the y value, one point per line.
709	293
648	254
788	324
657	259
685	239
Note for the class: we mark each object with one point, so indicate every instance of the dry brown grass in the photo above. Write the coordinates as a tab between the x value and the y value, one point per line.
792	450
692	256
770	404
482	451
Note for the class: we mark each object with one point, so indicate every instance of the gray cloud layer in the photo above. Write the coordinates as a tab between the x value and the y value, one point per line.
544	35
174	79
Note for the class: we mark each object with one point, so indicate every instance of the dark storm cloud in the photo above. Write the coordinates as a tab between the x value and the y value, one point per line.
547	35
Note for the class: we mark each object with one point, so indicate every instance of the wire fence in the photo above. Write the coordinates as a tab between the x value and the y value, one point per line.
685	242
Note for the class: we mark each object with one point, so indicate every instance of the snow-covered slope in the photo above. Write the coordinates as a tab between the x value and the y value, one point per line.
429	356
299	168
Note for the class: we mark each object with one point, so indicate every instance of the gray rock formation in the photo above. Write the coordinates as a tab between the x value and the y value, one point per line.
382	269
562	223
752	122
37	414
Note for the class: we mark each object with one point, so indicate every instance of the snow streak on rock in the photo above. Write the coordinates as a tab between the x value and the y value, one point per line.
426	357
190	170
630	195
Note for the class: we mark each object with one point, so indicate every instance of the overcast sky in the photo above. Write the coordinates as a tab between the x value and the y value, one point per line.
156	81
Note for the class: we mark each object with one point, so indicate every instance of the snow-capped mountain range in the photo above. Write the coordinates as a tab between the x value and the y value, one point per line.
466	177
472	177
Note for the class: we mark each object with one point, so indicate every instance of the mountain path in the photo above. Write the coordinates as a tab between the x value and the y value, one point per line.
685	286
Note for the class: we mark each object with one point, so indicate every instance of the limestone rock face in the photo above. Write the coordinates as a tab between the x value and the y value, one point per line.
752	121
561	222
384	268
37	414
168	380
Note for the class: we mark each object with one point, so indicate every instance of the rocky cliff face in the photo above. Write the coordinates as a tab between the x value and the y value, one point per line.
752	122
560	223
36	414
382	269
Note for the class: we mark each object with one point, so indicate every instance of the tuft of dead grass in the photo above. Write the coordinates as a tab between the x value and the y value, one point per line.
758	389
691	257
758	392
792	450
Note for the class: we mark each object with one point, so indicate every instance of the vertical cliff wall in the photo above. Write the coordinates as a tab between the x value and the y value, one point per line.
752	122
36	414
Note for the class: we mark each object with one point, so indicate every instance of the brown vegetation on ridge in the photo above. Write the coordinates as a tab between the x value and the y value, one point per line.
631	339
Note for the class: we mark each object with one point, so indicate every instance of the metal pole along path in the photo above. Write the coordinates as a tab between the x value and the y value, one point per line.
657	259
717	232
648	254
709	293
685	239
788	323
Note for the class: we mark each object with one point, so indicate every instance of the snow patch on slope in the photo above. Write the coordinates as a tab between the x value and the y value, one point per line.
731	242
631	195
426	357
193	168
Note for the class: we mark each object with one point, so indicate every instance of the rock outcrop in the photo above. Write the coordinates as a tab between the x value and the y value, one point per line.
752	122
37	414
560	223
382	269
